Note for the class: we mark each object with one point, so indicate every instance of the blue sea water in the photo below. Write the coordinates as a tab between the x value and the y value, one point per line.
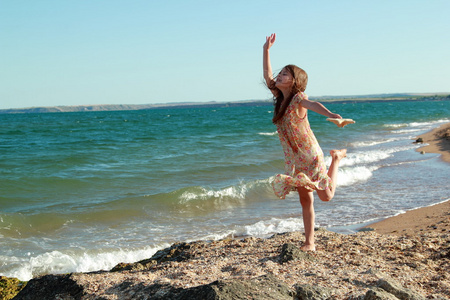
85	191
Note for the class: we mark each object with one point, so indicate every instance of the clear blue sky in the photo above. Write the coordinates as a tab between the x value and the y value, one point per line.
136	52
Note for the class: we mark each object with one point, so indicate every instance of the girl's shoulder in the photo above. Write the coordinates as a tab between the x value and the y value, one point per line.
299	97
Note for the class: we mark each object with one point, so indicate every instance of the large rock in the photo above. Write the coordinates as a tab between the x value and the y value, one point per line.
393	287
176	252
51	287
266	287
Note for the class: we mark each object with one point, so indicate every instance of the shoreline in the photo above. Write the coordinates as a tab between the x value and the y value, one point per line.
407	254
435	217
411	248
428	219
438	141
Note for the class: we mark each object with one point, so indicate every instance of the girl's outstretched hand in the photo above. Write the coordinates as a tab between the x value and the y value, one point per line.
334	116
270	40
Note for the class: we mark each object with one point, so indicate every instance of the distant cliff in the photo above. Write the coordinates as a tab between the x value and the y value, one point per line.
118	107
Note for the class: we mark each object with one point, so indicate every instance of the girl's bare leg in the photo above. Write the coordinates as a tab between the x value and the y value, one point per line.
307	202
336	156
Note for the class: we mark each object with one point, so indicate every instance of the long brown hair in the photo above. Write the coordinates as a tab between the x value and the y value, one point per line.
300	82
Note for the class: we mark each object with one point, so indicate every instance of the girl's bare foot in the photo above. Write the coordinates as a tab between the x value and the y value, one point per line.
308	247
338	154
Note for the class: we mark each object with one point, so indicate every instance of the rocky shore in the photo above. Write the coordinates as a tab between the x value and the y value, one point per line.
365	265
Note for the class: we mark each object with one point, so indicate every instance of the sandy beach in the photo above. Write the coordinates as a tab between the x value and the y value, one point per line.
438	141
435	218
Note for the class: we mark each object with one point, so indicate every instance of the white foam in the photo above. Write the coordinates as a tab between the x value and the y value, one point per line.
372	156
349	176
268	133
371	143
235	192
56	262
274	225
432	123
362	157
395	125
415	124
407	130
204	194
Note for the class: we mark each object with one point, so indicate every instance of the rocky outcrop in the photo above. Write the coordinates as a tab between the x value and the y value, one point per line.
361	266
176	252
266	287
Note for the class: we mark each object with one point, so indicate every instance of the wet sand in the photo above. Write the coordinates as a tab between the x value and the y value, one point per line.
435	218
438	141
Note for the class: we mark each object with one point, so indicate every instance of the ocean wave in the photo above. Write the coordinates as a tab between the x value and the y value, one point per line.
267	227
408	130
362	144
67	261
350	176
417	124
362	157
201	193
429	123
395	125
369	157
221	198
268	133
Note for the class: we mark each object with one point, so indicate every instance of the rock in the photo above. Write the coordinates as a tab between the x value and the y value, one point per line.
389	285
419	140
9	287
137	266
51	287
176	252
378	294
422	152
266	287
291	252
309	292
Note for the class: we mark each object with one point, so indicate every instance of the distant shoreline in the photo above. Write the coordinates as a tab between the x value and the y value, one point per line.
268	102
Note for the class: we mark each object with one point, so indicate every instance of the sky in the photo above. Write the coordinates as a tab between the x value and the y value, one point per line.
142	52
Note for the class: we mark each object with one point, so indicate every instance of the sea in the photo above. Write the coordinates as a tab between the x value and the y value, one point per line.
84	191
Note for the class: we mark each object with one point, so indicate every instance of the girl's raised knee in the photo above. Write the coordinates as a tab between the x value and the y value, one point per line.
326	195
326	198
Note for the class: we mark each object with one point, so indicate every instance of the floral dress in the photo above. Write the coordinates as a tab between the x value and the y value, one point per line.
304	162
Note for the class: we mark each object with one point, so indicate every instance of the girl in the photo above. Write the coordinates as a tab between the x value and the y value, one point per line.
304	163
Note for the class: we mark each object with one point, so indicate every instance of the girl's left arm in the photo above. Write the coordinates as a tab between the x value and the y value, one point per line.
319	108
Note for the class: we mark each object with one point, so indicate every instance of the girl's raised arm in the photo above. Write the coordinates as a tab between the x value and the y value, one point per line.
267	68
